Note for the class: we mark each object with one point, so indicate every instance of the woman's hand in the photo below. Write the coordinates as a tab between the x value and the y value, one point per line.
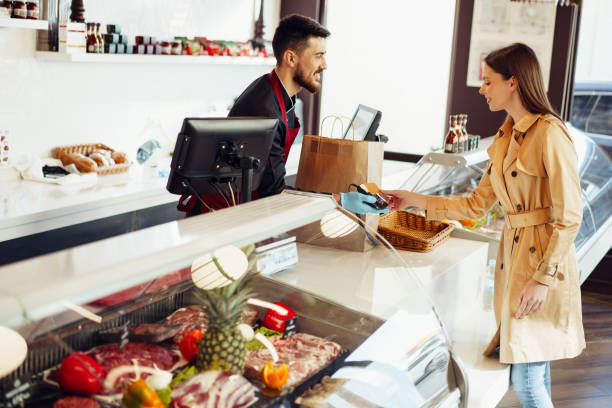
400	199
532	298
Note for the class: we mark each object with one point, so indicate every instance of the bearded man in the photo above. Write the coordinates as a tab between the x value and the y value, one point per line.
299	48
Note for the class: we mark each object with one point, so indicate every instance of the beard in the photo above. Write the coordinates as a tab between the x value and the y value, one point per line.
307	81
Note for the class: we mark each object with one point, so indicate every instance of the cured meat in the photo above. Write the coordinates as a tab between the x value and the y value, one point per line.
145	288
109	356
249	316
190	318
76	402
303	353
144	332
214	389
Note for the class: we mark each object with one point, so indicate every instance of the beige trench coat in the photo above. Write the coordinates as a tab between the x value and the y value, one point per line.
533	173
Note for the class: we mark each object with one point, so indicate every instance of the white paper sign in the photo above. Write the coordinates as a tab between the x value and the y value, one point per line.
498	23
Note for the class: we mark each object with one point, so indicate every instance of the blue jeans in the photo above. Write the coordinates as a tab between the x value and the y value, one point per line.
531	382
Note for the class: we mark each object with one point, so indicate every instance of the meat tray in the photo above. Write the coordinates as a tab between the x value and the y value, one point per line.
316	316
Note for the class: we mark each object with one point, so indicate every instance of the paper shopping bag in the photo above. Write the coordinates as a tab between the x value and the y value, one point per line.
331	166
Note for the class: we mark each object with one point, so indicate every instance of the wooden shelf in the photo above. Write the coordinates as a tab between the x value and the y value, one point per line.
154	59
22	23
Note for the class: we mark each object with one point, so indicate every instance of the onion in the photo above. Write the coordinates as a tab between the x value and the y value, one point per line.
159	376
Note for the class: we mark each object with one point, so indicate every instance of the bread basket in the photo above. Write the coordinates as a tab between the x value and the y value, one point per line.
412	232
86	149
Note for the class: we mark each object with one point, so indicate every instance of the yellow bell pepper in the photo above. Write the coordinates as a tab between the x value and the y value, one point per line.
140	395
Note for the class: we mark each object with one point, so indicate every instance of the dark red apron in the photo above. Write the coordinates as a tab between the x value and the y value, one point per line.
291	133
216	201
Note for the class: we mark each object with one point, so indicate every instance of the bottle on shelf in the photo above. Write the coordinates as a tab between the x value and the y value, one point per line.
99	40
451	144
460	137
19	9
32	10
462	132
90	40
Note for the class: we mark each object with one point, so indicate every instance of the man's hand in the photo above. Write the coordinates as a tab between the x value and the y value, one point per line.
532	298
400	199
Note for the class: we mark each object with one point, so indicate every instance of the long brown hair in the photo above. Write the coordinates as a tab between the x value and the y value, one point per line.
519	61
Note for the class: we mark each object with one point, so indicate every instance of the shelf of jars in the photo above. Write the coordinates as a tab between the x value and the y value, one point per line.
23	23
156	59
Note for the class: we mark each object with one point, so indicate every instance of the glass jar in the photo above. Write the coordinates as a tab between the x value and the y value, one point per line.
32	10
19	9
6	8
166	48
176	48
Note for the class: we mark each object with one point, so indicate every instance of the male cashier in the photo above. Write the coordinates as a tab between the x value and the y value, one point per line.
299	49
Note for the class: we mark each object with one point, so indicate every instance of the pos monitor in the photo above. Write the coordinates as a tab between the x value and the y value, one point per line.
364	124
220	151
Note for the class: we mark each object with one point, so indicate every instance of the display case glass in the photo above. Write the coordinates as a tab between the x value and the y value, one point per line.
117	300
458	174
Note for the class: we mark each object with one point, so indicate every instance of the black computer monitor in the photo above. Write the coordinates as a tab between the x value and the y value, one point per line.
220	150
364	124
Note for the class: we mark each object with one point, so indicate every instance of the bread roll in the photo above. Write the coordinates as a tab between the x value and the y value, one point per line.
104	152
119	157
84	164
100	159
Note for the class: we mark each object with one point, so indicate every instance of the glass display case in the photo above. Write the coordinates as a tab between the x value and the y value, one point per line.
458	174
131	301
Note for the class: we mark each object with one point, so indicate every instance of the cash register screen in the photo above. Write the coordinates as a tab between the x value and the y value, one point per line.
364	124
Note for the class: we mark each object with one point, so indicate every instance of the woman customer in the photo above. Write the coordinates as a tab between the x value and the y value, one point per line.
533	173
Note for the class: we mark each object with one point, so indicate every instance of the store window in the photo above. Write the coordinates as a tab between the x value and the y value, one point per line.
394	56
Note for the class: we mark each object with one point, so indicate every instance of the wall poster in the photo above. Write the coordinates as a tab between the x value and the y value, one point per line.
497	23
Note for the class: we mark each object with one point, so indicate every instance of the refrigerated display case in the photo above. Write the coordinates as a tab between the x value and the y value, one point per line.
71	300
458	174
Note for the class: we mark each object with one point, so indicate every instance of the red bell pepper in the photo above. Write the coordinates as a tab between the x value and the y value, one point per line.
80	374
189	344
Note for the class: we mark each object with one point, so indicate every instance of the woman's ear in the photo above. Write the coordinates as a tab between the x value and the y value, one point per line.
513	83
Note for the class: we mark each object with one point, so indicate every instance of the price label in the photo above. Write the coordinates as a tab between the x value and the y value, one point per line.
277	259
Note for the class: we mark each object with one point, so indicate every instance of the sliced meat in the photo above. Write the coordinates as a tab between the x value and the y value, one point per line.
249	316
76	402
190	318
153	332
109	356
214	389
303	353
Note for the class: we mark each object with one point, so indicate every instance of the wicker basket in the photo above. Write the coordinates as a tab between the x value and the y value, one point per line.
412	232
86	149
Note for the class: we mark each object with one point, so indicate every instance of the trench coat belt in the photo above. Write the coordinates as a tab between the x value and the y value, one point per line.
529	218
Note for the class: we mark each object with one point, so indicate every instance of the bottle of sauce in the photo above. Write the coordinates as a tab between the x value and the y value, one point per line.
468	145
99	40
32	10
451	144
91	39
19	9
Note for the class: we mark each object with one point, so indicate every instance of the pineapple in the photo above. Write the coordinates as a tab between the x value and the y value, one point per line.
223	347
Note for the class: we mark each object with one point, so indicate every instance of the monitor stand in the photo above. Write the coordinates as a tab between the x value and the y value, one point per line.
246	164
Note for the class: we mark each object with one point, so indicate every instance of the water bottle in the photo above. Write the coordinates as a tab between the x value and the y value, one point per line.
146	150
489	281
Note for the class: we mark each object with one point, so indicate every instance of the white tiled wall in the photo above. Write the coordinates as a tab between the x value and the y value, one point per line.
45	104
